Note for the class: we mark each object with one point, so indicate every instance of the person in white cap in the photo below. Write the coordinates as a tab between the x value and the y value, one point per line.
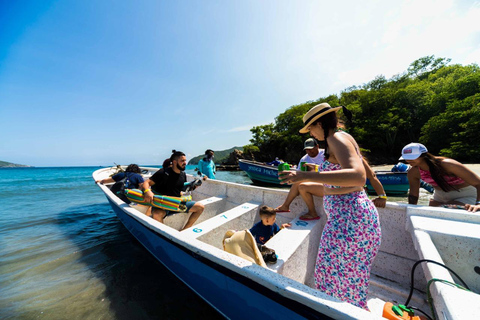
352	236
454	183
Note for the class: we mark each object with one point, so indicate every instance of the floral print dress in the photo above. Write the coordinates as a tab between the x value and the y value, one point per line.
349	243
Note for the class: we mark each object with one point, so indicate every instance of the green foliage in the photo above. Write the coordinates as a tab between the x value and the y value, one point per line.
250	151
432	102
423	66
455	132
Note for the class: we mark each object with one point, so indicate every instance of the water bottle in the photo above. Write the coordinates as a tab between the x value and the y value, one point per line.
283	166
427	186
303	166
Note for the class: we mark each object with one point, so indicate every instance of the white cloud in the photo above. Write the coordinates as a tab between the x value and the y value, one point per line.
413	30
473	56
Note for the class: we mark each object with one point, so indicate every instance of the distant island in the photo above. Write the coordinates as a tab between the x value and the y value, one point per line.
220	156
5	164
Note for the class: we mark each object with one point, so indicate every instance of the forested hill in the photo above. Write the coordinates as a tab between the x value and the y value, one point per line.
432	103
220	156
4	164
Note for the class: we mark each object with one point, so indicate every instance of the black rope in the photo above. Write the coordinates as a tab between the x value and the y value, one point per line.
412	275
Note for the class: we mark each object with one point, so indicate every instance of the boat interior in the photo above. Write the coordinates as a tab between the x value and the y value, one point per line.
235	207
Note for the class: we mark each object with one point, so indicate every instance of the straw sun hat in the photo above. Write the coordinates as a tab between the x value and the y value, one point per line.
316	112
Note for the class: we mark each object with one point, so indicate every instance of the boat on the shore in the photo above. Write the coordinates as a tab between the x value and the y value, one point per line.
394	183
260	173
240	289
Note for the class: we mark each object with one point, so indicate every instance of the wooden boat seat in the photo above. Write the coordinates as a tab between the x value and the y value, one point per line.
296	248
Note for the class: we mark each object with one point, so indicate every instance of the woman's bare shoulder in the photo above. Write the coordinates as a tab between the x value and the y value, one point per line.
342	136
346	139
452	166
448	162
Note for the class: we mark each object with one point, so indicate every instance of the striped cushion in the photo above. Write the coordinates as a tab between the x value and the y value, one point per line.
163	202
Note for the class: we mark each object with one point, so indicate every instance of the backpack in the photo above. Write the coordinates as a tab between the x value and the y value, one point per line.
268	255
118	188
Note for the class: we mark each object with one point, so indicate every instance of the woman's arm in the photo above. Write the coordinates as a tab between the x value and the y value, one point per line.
107	180
381	201
413	176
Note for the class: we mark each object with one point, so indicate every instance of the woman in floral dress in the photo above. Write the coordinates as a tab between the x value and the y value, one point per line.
351	237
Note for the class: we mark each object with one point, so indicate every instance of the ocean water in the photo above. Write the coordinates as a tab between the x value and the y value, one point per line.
65	255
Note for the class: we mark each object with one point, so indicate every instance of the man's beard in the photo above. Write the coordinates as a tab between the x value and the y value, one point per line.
180	168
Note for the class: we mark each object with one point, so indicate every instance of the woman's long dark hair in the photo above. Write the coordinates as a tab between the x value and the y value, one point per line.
133	168
437	172
328	121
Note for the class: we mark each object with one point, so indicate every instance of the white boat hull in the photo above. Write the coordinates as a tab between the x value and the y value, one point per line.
239	289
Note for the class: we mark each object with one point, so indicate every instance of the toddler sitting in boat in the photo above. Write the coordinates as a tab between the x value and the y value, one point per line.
249	244
266	228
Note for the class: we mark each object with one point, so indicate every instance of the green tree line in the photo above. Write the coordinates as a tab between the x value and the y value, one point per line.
432	103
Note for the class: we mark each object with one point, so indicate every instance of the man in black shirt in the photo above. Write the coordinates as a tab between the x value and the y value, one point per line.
170	182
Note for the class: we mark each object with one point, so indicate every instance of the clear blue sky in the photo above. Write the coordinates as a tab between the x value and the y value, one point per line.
96	82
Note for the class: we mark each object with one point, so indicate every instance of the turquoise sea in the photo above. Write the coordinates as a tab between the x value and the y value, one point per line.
65	255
